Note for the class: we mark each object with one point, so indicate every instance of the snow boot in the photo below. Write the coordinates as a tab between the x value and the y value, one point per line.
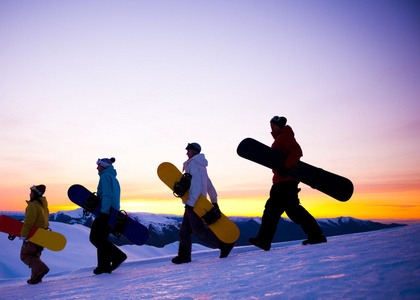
259	244
184	256
38	277
115	264
225	249
100	270
317	240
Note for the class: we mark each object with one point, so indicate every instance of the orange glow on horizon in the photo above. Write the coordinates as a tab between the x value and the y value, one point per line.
373	204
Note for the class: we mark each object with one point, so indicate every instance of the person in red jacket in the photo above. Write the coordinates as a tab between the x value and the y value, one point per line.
284	192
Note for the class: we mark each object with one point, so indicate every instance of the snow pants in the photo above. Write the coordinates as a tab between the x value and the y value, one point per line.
192	223
30	254
107	252
284	198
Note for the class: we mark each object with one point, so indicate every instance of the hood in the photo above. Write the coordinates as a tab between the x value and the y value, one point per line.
42	201
110	170
286	129
199	158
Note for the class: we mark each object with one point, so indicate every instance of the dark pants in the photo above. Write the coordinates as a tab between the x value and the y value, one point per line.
284	198
30	254
107	251
191	223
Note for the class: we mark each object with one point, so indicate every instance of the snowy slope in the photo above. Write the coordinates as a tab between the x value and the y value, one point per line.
382	264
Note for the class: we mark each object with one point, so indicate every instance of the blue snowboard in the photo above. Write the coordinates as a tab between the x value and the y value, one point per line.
135	232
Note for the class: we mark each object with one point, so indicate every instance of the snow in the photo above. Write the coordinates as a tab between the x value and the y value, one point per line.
381	264
77	213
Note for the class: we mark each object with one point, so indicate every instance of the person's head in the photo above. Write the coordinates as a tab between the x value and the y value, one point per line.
37	191
193	149
277	122
104	163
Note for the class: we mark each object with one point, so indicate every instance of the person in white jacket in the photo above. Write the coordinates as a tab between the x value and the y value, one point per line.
196	166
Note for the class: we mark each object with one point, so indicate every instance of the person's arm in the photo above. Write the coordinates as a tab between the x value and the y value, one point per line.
30	219
195	188
105	193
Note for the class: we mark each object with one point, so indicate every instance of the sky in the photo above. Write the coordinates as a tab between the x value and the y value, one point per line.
138	80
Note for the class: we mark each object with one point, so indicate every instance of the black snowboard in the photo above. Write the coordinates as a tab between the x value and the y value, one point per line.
331	184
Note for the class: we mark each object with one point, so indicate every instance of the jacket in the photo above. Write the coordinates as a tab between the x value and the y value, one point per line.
36	214
284	140
200	181
109	190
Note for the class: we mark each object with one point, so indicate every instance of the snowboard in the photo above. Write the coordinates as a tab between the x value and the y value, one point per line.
333	185
51	240
224	228
134	231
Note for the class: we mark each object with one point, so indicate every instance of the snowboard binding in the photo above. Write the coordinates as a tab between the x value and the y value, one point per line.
212	215
121	223
181	187
90	204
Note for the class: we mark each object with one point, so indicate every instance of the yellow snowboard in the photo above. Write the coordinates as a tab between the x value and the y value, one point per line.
49	239
223	228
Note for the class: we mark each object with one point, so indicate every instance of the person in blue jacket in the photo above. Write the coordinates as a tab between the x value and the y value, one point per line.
110	256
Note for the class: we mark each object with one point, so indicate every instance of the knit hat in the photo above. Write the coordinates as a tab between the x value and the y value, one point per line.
279	121
38	189
105	162
194	147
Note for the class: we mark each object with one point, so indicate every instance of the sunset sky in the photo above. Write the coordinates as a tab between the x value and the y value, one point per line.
138	80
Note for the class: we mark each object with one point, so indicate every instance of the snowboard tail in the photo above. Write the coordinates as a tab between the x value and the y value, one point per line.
51	240
134	231
224	228
334	185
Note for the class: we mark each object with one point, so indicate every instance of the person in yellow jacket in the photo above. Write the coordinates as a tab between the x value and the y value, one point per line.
36	214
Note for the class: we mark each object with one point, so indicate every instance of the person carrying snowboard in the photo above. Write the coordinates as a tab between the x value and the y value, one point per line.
196	166
110	256
284	192
36	214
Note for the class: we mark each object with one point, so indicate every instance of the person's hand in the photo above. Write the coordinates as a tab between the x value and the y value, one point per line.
283	171
103	218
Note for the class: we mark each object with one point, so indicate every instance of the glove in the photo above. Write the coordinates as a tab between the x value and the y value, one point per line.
103	218
283	171
25	239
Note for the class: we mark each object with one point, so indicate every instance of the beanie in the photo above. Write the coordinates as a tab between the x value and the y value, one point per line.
279	121
105	162
38	189
194	147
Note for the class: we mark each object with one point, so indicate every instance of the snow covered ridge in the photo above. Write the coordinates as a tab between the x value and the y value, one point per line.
164	229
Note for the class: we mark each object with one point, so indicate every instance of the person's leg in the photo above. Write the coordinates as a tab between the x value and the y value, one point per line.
299	215
99	238
185	241
274	208
31	255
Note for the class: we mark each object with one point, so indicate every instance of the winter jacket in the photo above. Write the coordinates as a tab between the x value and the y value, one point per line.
36	214
200	181
284	140
109	190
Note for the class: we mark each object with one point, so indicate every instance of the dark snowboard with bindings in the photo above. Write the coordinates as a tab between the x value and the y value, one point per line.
120	221
333	185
